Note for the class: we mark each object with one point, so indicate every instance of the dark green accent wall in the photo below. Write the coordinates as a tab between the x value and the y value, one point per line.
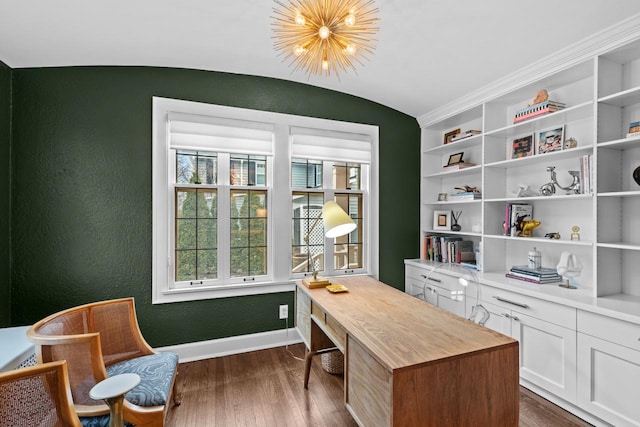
5	194
81	190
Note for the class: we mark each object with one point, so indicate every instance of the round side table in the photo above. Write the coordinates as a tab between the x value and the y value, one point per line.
112	391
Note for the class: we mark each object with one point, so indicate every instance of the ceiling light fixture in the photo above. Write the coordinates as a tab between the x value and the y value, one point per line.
325	36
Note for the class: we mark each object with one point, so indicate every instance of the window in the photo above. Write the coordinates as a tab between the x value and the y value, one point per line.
238	194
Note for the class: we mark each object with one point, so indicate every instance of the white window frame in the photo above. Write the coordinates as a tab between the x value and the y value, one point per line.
280	278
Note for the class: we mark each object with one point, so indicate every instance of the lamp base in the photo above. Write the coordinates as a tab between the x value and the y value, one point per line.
319	282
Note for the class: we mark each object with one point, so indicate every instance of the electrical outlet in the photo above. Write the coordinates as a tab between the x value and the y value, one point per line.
284	311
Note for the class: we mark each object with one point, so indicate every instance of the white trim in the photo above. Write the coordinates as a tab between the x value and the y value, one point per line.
191	352
598	43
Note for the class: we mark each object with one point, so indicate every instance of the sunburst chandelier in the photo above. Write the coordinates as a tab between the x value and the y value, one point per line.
325	36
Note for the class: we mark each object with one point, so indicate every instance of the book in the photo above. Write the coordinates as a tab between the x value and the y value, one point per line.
540	106
585	174
533	280
634	127
519	213
543	271
536	113
458	166
553	277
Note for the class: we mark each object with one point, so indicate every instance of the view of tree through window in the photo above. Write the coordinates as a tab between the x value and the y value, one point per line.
248	233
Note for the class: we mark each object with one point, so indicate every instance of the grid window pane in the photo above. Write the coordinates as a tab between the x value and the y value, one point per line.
348	248
196	234
346	176
196	167
249	218
248	170
306	173
308	232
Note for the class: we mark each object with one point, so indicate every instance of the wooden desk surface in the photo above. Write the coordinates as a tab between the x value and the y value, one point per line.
402	331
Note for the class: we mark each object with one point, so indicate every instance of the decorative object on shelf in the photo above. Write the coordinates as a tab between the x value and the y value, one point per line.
634	130
549	188
534	259
515	215
456	216
575	233
554	235
468	189
541	96
569	268
550	140
524	191
324	37
448	137
636	175
442	197
458	166
336	223
522	147
570	143
454	159
528	226
442	220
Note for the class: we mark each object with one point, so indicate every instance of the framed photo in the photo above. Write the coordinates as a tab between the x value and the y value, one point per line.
522	147
550	140
449	135
443	197
455	159
442	220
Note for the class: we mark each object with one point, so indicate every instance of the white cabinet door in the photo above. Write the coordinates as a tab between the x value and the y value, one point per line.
608	379
547	354
303	316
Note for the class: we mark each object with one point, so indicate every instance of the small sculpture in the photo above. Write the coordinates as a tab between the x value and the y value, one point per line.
541	96
570	143
528	226
552	236
549	188
456	216
575	233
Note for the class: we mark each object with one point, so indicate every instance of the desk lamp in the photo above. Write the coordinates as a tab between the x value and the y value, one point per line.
336	223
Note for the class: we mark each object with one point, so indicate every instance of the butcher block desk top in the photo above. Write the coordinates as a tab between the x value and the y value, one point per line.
411	363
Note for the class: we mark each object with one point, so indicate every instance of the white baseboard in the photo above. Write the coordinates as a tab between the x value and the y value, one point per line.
233	345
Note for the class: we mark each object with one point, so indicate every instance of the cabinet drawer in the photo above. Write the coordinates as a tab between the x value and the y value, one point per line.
416	272
534	307
609	329
331	327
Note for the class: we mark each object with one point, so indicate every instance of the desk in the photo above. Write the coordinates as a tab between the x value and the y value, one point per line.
408	363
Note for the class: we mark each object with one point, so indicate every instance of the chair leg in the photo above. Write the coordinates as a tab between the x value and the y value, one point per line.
177	398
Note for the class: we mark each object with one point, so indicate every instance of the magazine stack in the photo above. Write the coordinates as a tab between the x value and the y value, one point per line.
534	275
536	110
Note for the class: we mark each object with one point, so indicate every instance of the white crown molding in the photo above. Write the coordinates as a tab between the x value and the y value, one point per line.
610	38
233	345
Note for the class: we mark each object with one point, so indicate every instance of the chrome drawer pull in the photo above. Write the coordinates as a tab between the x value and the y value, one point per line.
511	302
433	279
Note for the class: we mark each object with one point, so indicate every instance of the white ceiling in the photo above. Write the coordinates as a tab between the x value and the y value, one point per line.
427	54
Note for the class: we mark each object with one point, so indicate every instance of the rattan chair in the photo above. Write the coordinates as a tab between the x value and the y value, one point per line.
37	396
103	339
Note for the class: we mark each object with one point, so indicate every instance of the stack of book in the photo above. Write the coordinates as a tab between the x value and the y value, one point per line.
536	110
464	195
464	135
532	275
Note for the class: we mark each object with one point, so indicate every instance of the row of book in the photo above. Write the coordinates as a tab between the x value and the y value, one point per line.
586	174
448	249
514	215
536	110
532	275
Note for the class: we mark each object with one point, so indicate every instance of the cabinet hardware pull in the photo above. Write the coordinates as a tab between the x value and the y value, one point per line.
515	318
433	279
507	315
511	302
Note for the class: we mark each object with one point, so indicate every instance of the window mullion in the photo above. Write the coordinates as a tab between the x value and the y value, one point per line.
224	221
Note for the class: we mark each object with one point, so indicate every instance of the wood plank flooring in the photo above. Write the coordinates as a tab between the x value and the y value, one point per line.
264	389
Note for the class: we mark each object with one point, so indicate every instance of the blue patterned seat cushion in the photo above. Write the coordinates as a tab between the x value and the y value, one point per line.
102	421
156	376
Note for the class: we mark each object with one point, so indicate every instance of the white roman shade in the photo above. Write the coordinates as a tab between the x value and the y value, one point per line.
319	144
207	133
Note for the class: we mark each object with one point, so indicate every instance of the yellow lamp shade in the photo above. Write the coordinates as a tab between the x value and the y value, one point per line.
336	221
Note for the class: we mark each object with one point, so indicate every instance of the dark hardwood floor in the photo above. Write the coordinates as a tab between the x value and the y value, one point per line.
264	388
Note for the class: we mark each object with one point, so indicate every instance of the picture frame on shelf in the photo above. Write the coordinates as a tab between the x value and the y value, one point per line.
442	220
448	137
443	197
522	146
454	159
550	140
